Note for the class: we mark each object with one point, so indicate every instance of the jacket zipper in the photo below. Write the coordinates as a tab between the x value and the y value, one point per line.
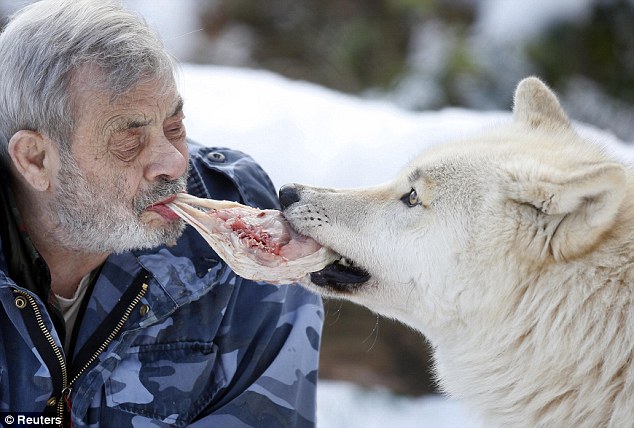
64	400
112	335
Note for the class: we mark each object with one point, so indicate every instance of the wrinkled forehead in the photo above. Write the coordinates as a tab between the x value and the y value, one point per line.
110	87
99	118
94	99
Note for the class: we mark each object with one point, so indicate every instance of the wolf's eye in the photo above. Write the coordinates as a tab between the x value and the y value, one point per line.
411	198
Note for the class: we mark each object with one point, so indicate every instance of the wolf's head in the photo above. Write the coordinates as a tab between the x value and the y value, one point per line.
466	223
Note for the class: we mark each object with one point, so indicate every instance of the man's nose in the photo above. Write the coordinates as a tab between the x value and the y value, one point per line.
167	160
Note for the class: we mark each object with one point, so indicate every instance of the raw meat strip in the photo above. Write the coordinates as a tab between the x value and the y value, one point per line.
257	244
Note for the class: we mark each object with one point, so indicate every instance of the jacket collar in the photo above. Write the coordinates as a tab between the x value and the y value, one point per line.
23	262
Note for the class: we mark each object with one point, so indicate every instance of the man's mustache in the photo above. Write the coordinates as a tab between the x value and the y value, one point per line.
163	189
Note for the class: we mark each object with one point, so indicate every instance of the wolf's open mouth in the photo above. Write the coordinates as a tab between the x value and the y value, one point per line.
342	275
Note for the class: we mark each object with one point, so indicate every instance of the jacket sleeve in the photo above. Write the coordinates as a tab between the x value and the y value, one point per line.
270	337
226	174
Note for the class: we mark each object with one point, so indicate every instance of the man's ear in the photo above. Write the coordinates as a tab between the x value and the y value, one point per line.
32	156
566	214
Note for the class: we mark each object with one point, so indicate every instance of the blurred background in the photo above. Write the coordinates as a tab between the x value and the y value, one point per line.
419	55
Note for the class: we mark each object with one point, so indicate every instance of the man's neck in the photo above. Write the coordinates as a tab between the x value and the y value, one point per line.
67	267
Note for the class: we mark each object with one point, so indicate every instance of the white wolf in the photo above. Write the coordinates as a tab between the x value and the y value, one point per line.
512	252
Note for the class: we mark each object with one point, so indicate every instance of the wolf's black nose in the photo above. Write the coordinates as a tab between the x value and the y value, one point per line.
289	194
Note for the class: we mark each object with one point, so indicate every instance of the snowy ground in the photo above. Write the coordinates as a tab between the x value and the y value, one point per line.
343	405
304	133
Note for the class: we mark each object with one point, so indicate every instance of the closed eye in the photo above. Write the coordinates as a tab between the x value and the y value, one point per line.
176	130
126	155
127	147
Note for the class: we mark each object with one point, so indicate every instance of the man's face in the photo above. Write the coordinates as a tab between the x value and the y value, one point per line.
126	156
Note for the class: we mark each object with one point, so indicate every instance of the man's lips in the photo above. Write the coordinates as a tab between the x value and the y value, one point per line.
162	209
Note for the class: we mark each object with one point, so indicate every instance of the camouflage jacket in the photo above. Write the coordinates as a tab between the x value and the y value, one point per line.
170	337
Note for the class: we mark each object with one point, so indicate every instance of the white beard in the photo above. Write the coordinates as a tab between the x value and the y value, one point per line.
97	219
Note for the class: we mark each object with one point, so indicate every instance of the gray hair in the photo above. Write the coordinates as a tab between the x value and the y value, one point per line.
46	42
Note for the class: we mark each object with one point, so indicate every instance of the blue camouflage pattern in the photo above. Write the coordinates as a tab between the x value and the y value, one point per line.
209	349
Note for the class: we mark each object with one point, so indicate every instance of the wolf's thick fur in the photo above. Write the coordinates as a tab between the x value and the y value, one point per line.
513	253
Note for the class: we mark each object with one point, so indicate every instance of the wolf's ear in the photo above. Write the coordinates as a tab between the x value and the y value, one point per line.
537	106
566	214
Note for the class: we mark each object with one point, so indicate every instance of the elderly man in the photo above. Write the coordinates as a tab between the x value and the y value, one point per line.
112	313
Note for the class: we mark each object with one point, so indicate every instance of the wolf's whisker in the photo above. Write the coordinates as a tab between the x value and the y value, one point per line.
375	333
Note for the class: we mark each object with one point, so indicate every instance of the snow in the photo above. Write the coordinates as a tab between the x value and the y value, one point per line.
300	132
342	405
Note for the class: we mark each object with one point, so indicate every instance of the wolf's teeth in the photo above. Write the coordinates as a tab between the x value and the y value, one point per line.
346	261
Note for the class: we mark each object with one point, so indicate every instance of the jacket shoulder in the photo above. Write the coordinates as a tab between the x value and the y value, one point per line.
224	173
